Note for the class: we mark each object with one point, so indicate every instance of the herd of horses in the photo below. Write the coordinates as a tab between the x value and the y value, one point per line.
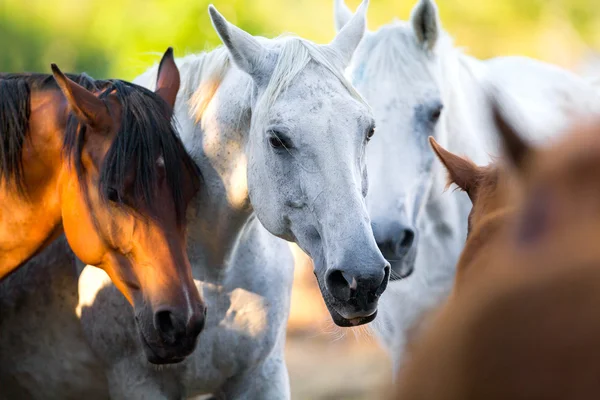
178	194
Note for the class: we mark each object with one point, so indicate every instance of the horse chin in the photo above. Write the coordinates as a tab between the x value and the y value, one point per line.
337	316
161	356
351	322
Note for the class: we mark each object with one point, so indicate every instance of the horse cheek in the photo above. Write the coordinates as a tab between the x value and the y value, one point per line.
78	224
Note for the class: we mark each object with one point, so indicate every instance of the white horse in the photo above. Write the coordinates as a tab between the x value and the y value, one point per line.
418	84
280	136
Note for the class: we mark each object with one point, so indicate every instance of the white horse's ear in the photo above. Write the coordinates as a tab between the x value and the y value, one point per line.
426	23
247	53
341	13
349	37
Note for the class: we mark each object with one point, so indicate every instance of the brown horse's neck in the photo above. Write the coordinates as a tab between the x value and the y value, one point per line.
31	220
484	237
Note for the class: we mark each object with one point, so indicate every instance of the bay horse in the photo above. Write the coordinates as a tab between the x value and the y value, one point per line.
521	322
102	162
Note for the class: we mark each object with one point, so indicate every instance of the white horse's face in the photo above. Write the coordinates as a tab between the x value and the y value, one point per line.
306	150
396	71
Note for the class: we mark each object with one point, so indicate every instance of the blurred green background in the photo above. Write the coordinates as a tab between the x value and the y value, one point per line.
120	38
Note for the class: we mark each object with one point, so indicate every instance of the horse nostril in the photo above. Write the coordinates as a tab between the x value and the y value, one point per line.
165	325
406	241
339	286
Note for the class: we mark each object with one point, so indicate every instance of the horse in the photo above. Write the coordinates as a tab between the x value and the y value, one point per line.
521	321
280	136
102	162
418	84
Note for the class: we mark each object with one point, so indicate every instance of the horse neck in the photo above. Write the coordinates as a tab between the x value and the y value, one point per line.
447	213
217	144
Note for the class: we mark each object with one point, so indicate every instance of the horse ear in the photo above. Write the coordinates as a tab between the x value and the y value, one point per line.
247	53
350	35
168	79
87	108
516	149
461	171
342	14
425	22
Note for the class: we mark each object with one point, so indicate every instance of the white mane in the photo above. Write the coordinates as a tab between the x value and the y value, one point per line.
202	74
295	54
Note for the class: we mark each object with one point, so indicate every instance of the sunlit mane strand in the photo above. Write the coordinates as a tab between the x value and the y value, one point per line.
203	73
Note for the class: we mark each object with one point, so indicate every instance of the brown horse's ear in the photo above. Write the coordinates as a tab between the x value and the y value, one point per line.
461	171
88	108
515	148
168	79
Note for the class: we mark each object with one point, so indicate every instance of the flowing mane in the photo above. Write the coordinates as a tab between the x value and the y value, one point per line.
146	132
203	73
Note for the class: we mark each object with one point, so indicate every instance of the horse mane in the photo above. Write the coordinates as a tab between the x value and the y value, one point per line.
15	110
202	74
147	131
393	49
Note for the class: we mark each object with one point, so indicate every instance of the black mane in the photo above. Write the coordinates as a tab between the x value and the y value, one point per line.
147	131
15	110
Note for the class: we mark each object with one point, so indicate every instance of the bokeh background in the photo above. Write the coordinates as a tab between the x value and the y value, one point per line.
121	38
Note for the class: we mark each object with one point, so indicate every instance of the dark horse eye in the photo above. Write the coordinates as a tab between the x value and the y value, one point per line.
275	142
112	194
436	113
371	133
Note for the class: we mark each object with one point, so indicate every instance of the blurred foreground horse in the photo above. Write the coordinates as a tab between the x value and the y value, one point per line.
521	322
418	84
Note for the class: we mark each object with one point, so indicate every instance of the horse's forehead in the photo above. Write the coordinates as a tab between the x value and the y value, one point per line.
318	95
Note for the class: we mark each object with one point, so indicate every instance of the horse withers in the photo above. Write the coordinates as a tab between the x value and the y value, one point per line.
102	161
521	322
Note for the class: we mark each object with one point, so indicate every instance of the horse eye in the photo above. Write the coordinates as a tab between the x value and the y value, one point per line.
277	141
370	134
436	113
112	194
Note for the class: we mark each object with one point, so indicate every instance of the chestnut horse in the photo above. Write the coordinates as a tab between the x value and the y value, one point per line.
522	320
102	162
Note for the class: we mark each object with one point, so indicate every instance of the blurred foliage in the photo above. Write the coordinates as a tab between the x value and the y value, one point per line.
120	38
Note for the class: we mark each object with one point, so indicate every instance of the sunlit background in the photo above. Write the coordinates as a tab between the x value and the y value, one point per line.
121	38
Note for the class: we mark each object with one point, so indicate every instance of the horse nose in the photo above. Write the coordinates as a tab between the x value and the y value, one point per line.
346	285
174	328
395	239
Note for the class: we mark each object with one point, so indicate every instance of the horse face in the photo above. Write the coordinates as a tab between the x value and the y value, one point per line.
306	161
138	240
396	70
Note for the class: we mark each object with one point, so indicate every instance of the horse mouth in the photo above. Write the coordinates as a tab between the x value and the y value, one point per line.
351	322
153	356
347	322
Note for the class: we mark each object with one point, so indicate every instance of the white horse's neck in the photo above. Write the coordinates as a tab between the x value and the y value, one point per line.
213	111
218	146
463	133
